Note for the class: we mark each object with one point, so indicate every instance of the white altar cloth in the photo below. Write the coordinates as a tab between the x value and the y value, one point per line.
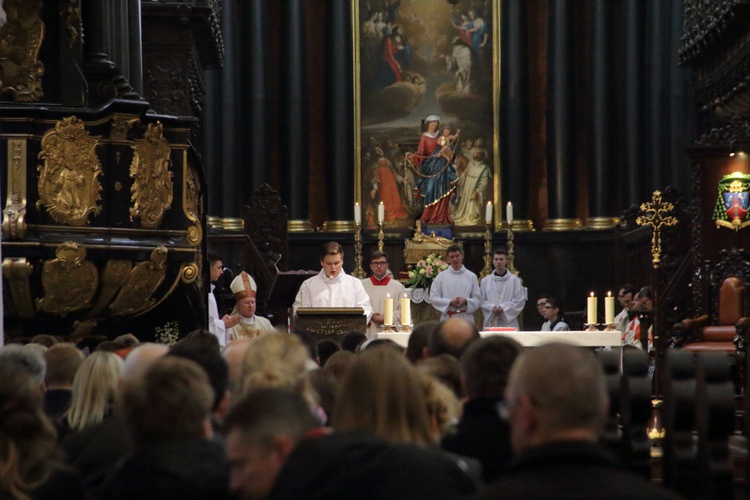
531	339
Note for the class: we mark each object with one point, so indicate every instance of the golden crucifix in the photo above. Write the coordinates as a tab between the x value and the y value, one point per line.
656	214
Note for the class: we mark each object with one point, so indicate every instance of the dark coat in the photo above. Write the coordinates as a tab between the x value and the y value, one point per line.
483	435
571	470
363	466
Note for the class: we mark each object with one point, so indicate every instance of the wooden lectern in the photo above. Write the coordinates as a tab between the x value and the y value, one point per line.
331	323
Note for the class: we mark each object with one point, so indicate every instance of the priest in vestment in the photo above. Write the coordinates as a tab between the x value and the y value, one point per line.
332	287
250	326
378	287
503	295
455	292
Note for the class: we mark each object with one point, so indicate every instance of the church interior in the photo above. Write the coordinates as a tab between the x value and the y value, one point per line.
136	136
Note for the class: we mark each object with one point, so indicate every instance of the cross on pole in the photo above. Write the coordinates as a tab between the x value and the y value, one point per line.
656	213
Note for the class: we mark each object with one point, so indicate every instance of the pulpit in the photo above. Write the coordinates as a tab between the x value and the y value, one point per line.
319	323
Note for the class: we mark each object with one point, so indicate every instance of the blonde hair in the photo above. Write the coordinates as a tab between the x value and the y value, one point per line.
94	389
382	393
442	405
277	360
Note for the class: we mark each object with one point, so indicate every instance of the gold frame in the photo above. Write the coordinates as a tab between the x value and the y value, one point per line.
357	109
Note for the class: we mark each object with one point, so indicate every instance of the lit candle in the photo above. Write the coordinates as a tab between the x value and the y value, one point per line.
509	212
388	310
488	213
381	212
609	309
357	214
406	310
591	309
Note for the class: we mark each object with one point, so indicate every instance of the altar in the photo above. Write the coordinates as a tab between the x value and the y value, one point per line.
532	339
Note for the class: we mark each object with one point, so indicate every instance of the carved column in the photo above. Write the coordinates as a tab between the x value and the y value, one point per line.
339	116
514	106
561	111
293	116
602	190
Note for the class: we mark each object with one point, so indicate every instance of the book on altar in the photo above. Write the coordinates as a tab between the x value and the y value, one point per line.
501	329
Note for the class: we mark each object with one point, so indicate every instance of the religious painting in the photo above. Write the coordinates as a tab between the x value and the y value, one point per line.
426	112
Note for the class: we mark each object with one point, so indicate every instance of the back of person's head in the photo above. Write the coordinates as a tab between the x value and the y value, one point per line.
418	340
27	358
108	346
452	337
171	401
198	349
565	386
44	339
94	389
205	338
62	361
141	357
382	393
326	348
486	365
276	360
127	340
447	370
388	343
27	436
351	340
339	363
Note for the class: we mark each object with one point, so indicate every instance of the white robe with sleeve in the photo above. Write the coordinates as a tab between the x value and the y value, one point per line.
215	324
450	284
249	328
341	291
377	291
506	292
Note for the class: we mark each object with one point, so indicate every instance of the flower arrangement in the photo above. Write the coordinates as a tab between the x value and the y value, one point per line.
425	270
168	334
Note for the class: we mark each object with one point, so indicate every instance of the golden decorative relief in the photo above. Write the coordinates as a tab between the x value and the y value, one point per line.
71	14
189	273
121	125
17	272
114	276
191	201
68	181
14	213
20	39
69	281
657	214
145	278
152	188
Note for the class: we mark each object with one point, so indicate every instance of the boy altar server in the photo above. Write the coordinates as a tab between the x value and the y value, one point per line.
378	287
455	292
503	295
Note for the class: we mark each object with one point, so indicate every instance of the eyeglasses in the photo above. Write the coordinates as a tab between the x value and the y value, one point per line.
503	410
379	263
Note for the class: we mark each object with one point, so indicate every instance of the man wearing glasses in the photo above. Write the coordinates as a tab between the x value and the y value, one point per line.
378	287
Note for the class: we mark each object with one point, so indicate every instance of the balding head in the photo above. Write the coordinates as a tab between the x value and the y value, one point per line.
141	358
452	337
555	392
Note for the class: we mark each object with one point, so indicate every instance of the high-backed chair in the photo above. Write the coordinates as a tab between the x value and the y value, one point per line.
722	335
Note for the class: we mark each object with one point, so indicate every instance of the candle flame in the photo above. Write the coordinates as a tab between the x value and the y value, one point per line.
387	295
592	294
609	294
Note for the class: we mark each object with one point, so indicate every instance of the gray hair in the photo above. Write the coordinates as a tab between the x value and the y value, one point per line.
27	358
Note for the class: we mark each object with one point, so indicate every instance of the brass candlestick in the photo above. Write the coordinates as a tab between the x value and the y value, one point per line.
487	252
609	327
358	271
509	249
380	236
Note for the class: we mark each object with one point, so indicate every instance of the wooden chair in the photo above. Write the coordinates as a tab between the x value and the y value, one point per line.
722	335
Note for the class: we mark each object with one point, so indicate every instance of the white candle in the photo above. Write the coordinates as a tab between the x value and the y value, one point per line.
357	214
406	310
609	309
388	310
488	213
509	212
591	309
381	212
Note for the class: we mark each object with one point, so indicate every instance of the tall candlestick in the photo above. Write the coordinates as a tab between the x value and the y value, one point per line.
357	214
381	212
406	310
591	309
609	309
488	213
509	212
388	310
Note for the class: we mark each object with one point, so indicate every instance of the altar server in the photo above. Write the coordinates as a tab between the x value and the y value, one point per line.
503	295
378	287
455	292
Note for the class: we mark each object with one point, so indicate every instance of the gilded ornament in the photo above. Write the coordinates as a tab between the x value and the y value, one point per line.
115	274
121	125
69	281
14	213
152	187
191	202
145	278
71	14
17	272
69	187
20	39
656	213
